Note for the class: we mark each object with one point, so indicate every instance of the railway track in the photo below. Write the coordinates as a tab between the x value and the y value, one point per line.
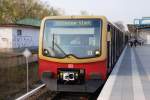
38	93
43	93
73	96
77	95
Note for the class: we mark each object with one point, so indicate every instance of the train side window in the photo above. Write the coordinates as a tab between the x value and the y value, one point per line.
108	28
109	33
109	36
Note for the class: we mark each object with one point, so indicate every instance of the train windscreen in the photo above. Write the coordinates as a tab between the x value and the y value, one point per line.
77	37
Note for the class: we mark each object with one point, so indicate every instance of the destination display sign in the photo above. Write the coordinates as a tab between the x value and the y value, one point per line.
55	23
73	23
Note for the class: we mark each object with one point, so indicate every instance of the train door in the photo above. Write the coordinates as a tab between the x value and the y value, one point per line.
112	47
109	49
117	45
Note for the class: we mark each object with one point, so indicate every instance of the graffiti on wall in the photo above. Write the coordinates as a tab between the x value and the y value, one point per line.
23	41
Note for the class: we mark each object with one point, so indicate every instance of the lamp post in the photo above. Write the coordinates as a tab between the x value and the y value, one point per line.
137	32
137	23
27	54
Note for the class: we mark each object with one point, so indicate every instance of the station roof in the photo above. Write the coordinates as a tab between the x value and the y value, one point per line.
143	23
132	28
25	23
19	25
29	21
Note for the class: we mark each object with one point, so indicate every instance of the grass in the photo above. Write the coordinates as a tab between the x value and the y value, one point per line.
13	79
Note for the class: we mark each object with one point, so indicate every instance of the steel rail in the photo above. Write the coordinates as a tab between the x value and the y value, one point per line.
31	93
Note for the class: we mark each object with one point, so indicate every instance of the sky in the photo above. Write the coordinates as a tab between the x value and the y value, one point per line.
114	10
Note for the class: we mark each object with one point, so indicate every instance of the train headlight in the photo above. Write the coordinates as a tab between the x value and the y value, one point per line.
47	75
76	75
61	74
97	53
46	52
95	75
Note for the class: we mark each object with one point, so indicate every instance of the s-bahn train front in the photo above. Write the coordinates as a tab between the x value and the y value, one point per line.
72	53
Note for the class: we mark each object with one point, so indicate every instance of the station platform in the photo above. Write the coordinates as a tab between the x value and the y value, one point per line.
130	78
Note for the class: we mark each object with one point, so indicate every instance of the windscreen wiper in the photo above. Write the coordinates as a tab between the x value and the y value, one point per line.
55	44
60	48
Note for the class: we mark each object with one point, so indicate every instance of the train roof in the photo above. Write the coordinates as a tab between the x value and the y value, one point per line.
79	17
72	17
112	24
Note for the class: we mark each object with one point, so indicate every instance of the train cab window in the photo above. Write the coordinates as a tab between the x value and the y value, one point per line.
80	38
92	41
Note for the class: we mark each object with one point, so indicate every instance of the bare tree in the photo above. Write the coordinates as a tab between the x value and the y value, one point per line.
13	10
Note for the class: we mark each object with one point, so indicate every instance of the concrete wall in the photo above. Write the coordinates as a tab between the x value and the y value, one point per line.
10	37
5	37
28	38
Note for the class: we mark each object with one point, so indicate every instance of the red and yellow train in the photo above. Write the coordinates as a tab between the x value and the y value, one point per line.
77	53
